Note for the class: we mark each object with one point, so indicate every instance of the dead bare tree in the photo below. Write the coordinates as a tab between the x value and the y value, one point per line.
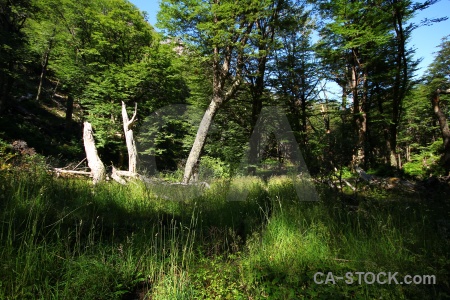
129	138
98	170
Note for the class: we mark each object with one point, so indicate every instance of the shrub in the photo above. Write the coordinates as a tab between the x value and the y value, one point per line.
426	162
211	167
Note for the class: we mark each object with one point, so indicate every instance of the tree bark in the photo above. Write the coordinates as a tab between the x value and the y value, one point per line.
266	31
71	172
129	138
116	176
443	124
44	64
401	78
69	111
41	78
228	66
217	100
94	162
359	115
200	139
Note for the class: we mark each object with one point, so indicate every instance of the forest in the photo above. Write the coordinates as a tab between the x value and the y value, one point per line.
272	149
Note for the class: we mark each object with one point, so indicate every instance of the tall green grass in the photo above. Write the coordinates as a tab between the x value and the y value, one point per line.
240	239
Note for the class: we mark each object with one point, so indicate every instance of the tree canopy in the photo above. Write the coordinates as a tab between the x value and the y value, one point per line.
229	59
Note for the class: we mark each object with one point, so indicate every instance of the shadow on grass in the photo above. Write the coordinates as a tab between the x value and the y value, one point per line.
63	234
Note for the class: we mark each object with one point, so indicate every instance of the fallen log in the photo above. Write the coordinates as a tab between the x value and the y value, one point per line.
345	181
125	173
117	177
73	172
363	175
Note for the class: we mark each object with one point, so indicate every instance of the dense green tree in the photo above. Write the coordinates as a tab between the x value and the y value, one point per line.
229	59
355	33
103	39
276	69
221	31
43	32
295	70
419	142
96	55
106	53
365	48
403	66
438	84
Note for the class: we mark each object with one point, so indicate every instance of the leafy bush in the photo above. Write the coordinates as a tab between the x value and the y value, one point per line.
21	157
426	162
6	154
211	167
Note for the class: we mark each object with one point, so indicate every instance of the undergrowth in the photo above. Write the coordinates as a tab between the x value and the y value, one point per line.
241	239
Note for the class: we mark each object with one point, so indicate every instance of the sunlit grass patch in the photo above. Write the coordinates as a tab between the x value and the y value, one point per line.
174	284
286	247
61	238
244	188
295	188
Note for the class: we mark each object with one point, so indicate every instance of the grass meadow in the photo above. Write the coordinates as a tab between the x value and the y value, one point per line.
245	239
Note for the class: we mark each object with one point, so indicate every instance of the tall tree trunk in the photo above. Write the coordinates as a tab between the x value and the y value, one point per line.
220	96
227	64
325	115
343	103
304	129
257	90
358	117
69	111
200	138
400	81
45	65
365	119
94	162
443	124
42	77
266	30
129	138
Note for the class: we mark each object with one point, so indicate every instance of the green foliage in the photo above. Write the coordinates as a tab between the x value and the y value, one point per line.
63	238
101	53
195	23
421	137
213	168
174	285
217	277
6	154
104	62
418	128
425	162
439	69
229	134
165	137
363	48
